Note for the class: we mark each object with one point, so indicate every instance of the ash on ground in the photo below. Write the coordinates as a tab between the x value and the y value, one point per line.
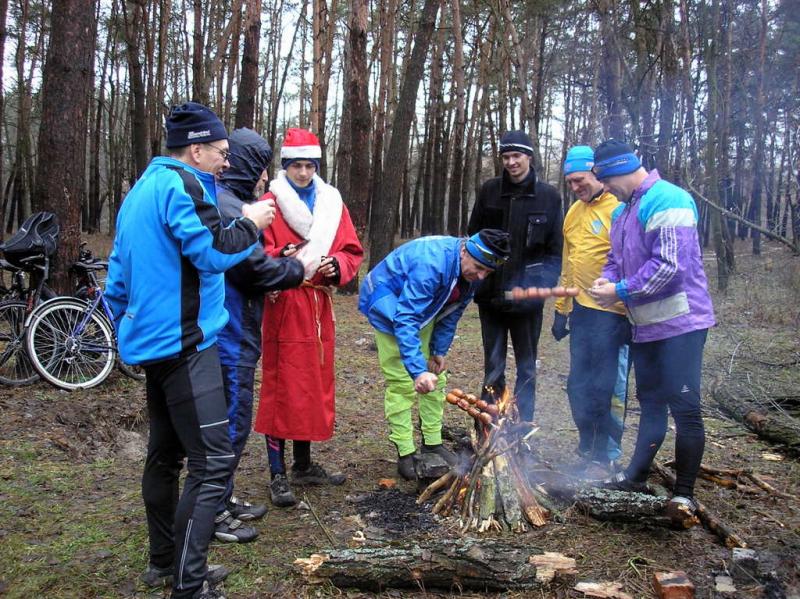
395	512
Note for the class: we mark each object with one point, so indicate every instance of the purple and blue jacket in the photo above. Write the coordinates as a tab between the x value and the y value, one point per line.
656	263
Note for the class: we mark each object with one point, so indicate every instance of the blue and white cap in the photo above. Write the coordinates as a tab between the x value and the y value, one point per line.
490	247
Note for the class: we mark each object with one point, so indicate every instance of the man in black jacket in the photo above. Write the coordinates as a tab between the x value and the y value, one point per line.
530	211
240	339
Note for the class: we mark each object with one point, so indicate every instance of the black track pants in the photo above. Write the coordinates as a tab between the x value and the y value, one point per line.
188	419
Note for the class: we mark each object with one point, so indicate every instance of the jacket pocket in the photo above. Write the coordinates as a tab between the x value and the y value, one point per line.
537	229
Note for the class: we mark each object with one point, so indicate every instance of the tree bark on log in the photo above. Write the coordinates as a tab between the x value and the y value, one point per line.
451	564
771	427
621	506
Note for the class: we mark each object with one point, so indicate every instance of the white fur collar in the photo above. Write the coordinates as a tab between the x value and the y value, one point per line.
320	227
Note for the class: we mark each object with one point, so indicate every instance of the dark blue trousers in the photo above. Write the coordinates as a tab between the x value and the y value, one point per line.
524	329
239	383
186	406
594	342
668	378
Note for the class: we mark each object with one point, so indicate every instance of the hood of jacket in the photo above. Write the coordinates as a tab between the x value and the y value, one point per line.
250	154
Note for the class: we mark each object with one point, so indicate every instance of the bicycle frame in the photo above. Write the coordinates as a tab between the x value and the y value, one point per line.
96	298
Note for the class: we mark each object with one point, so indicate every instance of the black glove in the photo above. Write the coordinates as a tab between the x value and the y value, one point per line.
337	271
560	329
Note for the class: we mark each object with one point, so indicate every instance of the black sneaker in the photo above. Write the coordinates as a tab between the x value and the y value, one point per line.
620	482
207	592
405	467
231	530
316	475
244	510
280	493
444	453
161	577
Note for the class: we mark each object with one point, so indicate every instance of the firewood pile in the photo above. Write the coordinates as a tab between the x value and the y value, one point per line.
491	491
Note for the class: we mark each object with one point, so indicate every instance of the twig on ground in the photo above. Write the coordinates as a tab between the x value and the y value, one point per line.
321	525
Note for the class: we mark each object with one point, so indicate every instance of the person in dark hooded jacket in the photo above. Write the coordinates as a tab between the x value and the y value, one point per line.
240	339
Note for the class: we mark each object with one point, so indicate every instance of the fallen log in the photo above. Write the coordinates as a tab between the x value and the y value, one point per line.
622	506
450	564
772	427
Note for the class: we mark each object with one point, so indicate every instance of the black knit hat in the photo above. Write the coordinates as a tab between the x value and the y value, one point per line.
516	141
193	123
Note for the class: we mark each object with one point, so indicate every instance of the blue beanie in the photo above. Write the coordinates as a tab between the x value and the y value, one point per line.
193	123
516	141
614	158
579	159
490	247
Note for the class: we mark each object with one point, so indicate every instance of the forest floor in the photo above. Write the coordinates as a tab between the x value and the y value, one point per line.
72	519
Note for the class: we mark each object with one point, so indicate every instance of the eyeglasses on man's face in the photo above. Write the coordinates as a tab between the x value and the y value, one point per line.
226	154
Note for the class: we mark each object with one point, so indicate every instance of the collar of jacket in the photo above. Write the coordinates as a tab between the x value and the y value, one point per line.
526	186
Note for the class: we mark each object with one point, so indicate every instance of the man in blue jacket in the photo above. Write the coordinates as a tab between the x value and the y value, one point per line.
414	299
240	339
166	289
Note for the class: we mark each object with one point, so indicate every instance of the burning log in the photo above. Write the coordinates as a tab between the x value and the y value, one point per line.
491	492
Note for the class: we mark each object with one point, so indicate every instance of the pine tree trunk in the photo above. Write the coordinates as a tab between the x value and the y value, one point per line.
248	84
133	17
384	215
611	75
454	204
67	77
759	134
3	142
360	122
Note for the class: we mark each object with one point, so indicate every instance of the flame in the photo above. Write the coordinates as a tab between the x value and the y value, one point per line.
505	400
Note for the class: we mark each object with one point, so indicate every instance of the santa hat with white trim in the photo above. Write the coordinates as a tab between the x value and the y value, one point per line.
300	144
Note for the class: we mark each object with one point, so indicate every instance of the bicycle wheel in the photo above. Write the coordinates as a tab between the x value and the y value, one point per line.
132	371
15	366
69	345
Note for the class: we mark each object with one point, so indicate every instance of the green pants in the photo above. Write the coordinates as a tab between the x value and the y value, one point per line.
399	396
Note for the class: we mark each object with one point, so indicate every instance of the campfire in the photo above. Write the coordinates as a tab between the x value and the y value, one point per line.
491	492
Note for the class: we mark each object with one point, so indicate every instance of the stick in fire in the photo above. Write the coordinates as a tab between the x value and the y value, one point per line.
491	492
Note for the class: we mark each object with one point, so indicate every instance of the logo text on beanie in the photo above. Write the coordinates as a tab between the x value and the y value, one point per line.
196	134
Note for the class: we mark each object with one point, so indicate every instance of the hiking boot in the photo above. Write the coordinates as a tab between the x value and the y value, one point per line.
231	530
244	510
681	511
405	467
207	592
280	493
316	475
620	482
161	577
444	453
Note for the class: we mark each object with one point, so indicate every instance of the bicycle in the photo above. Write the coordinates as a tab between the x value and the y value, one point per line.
71	342
19	300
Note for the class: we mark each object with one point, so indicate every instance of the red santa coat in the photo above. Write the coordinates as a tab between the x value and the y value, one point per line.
298	330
